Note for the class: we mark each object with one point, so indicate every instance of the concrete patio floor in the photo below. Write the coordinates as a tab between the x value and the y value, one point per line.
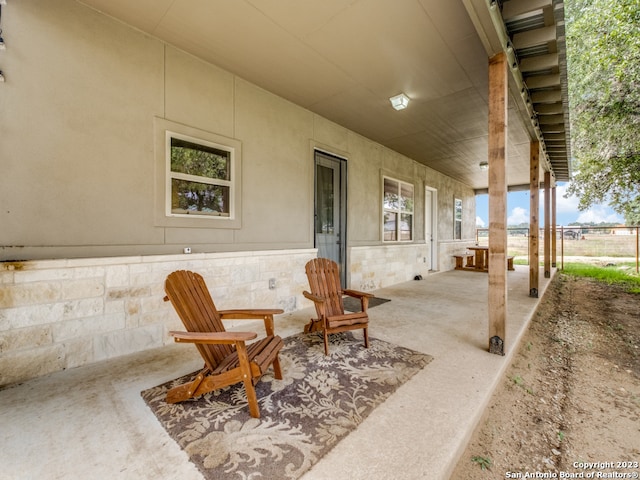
91	422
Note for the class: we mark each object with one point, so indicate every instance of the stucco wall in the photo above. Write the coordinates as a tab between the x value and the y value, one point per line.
78	150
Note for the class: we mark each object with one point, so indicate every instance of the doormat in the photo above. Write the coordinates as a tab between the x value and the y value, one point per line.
353	304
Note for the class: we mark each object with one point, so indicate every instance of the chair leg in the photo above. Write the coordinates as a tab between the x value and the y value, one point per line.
187	390
252	398
366	337
326	342
277	371
315	325
247	379
307	328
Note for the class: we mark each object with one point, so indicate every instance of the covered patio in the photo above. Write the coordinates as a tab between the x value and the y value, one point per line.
81	277
91	422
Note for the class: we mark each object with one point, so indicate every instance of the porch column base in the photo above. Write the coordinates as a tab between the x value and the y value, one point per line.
496	345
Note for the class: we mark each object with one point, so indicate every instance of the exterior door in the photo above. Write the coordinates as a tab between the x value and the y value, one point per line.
330	209
430	226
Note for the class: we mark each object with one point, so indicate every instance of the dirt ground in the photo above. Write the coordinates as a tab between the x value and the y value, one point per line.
569	405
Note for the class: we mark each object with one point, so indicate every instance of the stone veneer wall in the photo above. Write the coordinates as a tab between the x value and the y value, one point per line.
59	314
376	267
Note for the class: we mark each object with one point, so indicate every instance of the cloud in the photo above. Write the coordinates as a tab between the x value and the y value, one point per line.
563	205
599	214
480	223
518	215
596	214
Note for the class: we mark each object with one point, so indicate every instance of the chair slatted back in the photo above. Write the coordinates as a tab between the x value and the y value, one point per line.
190	297
324	281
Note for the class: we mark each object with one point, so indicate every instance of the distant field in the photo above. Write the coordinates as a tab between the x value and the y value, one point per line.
588	245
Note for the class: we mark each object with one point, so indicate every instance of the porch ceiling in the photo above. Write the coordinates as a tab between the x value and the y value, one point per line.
343	59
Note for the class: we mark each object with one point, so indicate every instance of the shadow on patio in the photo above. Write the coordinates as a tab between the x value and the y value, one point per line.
91	422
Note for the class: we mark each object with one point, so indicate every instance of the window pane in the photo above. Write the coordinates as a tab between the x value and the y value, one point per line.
390	226
406	226
406	197
458	209
390	194
200	160
196	198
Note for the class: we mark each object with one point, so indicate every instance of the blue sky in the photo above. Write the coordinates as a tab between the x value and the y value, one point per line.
566	209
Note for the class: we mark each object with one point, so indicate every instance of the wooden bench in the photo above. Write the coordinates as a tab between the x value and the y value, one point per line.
460	261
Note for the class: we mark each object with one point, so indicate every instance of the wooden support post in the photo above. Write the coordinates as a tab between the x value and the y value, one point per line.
497	301
554	253
534	218
547	225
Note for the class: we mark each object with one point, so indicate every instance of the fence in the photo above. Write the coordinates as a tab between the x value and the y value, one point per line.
621	244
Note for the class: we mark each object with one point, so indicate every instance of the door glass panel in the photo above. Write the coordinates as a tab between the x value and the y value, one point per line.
325	199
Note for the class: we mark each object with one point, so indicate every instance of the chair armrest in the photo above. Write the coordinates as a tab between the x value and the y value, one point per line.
213	337
362	296
240	314
357	293
314	298
319	302
266	314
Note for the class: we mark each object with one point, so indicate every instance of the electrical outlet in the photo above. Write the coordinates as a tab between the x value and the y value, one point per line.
272	283
187	250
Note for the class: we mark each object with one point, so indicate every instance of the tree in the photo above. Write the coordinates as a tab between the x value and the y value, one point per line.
603	56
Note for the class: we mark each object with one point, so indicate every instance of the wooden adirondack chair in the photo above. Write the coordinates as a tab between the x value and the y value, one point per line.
228	359
326	294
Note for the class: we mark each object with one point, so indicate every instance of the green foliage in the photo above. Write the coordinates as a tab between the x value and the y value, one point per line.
603	55
199	160
484	462
610	275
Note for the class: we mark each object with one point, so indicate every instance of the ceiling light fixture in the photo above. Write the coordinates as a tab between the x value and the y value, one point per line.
484	165
400	101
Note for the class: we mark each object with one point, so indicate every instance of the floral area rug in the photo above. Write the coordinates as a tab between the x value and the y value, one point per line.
319	401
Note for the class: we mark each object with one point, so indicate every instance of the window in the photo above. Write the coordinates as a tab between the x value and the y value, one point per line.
200	177
457	219
398	211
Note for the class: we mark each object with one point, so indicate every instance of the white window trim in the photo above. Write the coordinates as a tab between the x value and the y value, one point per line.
163	217
399	211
